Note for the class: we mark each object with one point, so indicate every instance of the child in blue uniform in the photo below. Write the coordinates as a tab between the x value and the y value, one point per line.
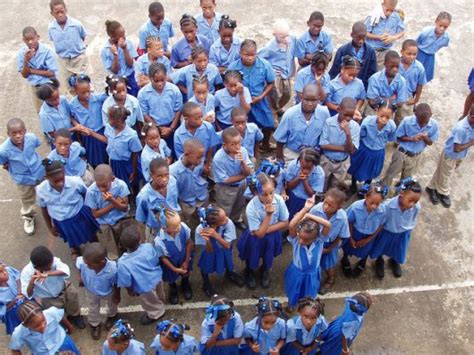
41	331
267	217
175	248
394	240
302	277
315	73
155	147
208	20
204	99
19	156
366	219
121	340
342	331
315	40
431	40
258	76
221	329
226	49
10	297
304	331
157	25
181	52
171	339
118	54
249	131
61	199
154	54
266	333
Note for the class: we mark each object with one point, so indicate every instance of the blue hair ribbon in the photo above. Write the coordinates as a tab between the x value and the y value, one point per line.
405	183
360	309
212	311
175	329
122	328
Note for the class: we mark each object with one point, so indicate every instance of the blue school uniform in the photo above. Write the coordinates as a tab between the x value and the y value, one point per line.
43	59
339	90
282	60
73	221
51	341
339	229
304	77
428	44
297	332
143	63
24	166
367	161
95	200
210	31
409	128
392	25
134	348
363	224
233	329
51	287
461	133
307	45
91	117
296	132
394	240
7	294
148	199
68	39
165	32
253	134
75	164
100	283
181	50
206	107
54	118
131	104
256	78
252	249
185	77
379	87
267	339
219	259
220	56
174	248
123	70
206	134
192	187
333	134
225	102
148	154
303	275
414	75
140	269
224	166
188	346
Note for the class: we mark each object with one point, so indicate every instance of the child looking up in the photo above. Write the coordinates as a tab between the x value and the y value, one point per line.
155	147
157	25
208	20
226	49
154	54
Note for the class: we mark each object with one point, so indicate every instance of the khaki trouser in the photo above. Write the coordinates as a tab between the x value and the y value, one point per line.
68	67
68	300
231	199
279	96
402	112
380	55
444	171
37	103
189	214
152	302
400	163
289	155
93	301
88	177
333	172
109	237
28	200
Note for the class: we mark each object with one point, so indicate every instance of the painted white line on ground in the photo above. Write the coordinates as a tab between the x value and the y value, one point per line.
332	295
7	200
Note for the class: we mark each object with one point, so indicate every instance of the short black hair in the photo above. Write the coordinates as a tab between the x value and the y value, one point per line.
94	252
130	238
409	43
229	132
188	107
155	7
158	163
391	55
41	256
64	133
29	30
316	15
46	90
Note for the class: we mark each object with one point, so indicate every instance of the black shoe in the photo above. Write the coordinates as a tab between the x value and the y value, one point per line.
358	270
77	321
433	195
110	321
173	297
208	289
250	279
266	281
145	320
240	225
380	268
235	278
346	268
396	268
186	289
95	332
445	200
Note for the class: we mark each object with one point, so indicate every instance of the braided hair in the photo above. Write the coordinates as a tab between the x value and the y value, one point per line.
27	311
172	330
310	302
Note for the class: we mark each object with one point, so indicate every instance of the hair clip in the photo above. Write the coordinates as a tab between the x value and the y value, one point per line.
48	162
225	17
406	183
202	213
270	168
212	311
122	329
176	330
356	306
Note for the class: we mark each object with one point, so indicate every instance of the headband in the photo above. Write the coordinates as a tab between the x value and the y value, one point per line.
406	184
122	329
212	311
358	308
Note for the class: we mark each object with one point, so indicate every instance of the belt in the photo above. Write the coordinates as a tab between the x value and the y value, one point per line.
235	184
381	49
408	153
337	161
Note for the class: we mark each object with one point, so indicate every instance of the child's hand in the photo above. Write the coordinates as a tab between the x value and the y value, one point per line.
357	116
274	351
210	117
269	209
206	171
256	99
411	101
240	88
255	347
284	196
302	176
165	132
131	178
309	203
238	156
185	265
181	271
122	43
39	276
107	195
29	54
114	50
345	127
353	243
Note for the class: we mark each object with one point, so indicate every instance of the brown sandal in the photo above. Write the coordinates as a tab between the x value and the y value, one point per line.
327	285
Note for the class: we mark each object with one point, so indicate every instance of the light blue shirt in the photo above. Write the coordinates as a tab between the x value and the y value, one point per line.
165	32
409	128
121	146
10	291
392	25
253	134
415	75
224	166
429	43
192	187
187	347
293	326
220	56
225	102
363	221
148	154
181	50
95	200
143	63
256	77
206	134
62	204
161	107
210	31
398	221
51	287
139	269
339	90
339	223
379	87
296	132
185	76
208	106
54	118
69	39
90	117
376	139
255	212
108	58
281	59
306	45
44	59
46	343
462	133
206	325
24	166
131	104
226	231
315	179
162	236
101	283
314	250
134	348
75	162
268	338
305	76
333	134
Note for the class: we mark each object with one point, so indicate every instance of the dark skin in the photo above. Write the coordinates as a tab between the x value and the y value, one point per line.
422	118
4	277
306	168
309	316
219	325
32	42
211	233
408	199
391	70
98	266
152	139
235	87
314	29
248	55
192	158
388	9
408	57
193	121
344	117
159	180
59	12
104	183
358	38
239	122
190	34
157	19
372	202
227	37
232	146
318	72
461	147
56	180
267	323
118	40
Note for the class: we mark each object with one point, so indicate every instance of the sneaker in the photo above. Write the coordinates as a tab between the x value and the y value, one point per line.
29	225
250	279
346	268
380	268
186	289
358	270
173	297
433	195
110	321
445	200
95	332
77	321
235	278
266	281
396	268
208	289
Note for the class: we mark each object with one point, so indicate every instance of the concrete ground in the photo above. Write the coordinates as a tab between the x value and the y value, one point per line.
428	311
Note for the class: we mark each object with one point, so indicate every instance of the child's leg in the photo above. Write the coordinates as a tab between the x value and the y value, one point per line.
225	197
285	93
152	305
106	238
410	165
339	171
239	204
88	178
28	200
444	170
173	297
71	296
395	167
93	302
326	164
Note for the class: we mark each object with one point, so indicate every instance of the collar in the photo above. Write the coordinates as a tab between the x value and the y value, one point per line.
67	185
309	38
414	122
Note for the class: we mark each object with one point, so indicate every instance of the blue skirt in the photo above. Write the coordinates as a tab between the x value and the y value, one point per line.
11	319
218	261
78	229
393	245
366	164
69	345
289	349
294	204
329	260
122	170
261	114
358	252
132	86
300	283
252	249
219	350
95	150
171	276
428	61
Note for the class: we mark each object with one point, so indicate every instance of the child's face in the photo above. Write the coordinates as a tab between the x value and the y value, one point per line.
104	183
306	166
201	62
194	158
268	192
155	49
232	145
153	138
349	74
157	18
57	180
63	145
208	7
391	67
384	114
116	122
83	91
189	32
318	69
17	134
167	344
232	85
37	323
422	118
119	33
248	55
160	176
55	99
201	90
310	101
227	36
346	113
158	81
3	274
44	268
194	119
224	319
309	317
173	225
31	40
307	237
441	26
373	201
315	27
96	266
409	54
389	7
282	37
120	92
330	205
240	123
269	321
408	199
59	12
119	347
358	38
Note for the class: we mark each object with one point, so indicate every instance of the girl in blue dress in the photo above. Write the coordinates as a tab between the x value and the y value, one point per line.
10	293
366	219
120	340
342	331
222	329
394	240
267	217
171	339
204	99
155	147
226	49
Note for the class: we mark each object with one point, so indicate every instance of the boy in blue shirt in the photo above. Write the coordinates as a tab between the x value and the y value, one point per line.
18	155
249	131
208	20
157	25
